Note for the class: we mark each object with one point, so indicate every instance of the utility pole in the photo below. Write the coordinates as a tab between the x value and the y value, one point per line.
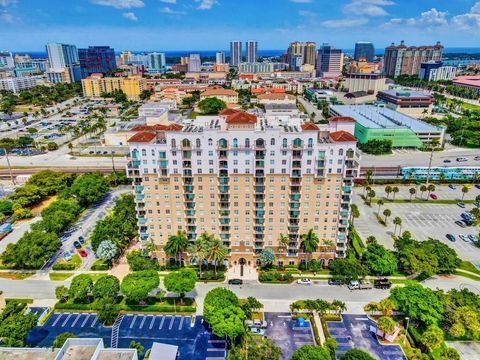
113	167
9	167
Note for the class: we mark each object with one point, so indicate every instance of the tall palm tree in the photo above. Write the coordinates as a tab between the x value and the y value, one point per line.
380	203
198	251
176	244
423	188
217	252
387	213
430	188
395	190
398	222
283	241
309	243
412	192
355	213
465	190
339	306
388	190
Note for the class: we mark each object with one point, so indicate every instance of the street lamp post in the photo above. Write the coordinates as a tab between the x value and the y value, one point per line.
406	329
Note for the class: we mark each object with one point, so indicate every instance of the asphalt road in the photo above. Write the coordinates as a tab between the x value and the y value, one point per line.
309	107
19	228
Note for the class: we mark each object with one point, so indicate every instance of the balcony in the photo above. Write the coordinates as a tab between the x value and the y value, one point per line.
138	188
223	189
259	189
188	189
142	220
189	213
223	180
189	197
139	196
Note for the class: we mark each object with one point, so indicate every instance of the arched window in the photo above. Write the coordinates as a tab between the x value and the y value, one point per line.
222	143
247	143
144	152
340	152
310	142
186	143
272	141
198	144
174	143
210	142
260	143
284	143
297	142
235	143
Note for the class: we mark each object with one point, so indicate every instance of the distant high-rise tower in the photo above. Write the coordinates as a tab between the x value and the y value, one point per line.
301	53
156	62
194	63
251	51
364	50
329	61
6	60
63	59
220	57
96	59
235	53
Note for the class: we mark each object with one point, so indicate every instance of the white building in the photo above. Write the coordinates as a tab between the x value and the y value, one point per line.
156	62
251	56
194	63
18	84
6	60
220	57
235	53
443	73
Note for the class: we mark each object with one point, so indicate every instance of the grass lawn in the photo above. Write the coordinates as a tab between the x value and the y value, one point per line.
467	275
19	300
15	275
466	106
468	266
95	277
59	276
73	264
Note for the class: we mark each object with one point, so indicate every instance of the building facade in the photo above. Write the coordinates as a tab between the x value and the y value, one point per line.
220	58
63	58
246	180
97	60
194	63
6	60
370	83
329	61
17	84
96	85
403	60
412	103
251	56
364	50
156	63
235	53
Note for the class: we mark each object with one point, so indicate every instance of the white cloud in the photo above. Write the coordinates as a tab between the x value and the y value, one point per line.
301	1
468	21
170	11
476	8
120	4
5	3
434	17
343	23
169	1
306	13
6	16
367	7
130	16
206	4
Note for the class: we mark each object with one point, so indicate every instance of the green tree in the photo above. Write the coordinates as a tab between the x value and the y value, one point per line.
395	190
379	260
107	250
180	282
198	250
380	203
61	338
89	188
138	346
138	261
371	194
430	189
423	188
137	285
217	252
356	354
388	190
465	190
331	346
107	312
251	304
347	269
418	303
432	337
211	106
397	221
311	352
80	288
387	213
386	324
355	213
412	192
107	288
16	327
309	243
449	353
267	256
61	292
176	245
371	240
52	146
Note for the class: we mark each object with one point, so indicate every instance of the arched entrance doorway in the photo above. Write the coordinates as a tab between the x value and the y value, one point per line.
242	263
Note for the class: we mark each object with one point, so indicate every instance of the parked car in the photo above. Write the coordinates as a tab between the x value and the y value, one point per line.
451	237
235	282
67	256
360	285
447	161
477	186
257	331
473	237
81	239
83	253
461	204
463	237
462	159
5	229
382	283
77	245
433	196
304	281
452	186
335	282
477	158
466	216
260	323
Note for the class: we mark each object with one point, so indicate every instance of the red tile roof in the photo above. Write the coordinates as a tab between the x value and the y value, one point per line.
340	136
158	127
341	119
143	136
238	117
309	126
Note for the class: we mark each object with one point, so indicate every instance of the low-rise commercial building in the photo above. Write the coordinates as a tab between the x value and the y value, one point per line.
435	71
17	84
470	82
96	85
276	98
226	95
382	123
370	83
409	102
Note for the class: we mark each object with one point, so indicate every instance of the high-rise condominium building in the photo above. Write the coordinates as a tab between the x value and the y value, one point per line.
97	60
403	60
194	63
63	63
301	53
220	57
247	180
6	60
251	56
329	61
364	50
235	53
156	62
124	57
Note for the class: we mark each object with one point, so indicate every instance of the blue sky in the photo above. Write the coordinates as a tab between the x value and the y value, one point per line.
211	24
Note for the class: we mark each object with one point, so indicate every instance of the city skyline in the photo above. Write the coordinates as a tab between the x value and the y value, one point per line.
134	24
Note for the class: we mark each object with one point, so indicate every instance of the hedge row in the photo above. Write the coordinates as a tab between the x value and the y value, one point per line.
138	308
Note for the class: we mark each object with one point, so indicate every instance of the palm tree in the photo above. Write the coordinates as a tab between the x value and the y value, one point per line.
339	306
176	244
284	241
355	213
216	252
412	192
368	175
380	203
398	222
388	190
329	244
309	243
430	188
371	240
365	185
423	188
465	190
386	213
395	190
198	251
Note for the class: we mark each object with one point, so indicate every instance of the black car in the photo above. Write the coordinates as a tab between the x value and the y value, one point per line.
235	282
77	245
382	283
451	237
335	282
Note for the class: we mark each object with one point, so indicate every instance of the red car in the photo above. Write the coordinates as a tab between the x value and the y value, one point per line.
83	253
433	196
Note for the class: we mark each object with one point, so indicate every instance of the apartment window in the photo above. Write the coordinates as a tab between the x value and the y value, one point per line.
210	153
210	142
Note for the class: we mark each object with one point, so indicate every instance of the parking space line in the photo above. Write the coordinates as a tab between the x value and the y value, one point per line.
76	319
85	321
143	321
133	321
151	323
181	322
57	319
161	323
216	341
94	321
171	323
68	318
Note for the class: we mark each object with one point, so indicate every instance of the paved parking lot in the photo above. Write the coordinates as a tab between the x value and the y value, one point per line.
353	332
195	341
469	350
423	220
287	334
